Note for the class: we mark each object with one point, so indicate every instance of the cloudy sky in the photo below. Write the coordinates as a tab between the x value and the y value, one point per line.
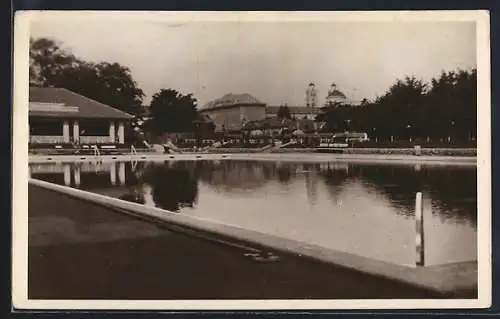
273	61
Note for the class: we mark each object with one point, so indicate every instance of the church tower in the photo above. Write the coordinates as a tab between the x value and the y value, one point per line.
311	94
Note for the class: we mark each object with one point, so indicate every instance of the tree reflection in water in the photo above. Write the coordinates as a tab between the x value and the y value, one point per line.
453	190
284	174
175	185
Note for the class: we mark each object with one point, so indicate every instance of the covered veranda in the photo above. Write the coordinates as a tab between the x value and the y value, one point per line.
60	116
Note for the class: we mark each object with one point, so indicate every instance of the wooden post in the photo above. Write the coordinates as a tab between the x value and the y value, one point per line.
419	240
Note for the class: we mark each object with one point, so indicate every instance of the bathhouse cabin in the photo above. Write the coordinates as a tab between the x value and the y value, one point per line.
58	116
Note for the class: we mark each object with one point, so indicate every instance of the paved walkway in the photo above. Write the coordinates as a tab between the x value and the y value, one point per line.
78	250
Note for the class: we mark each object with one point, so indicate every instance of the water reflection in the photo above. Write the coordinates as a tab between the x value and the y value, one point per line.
171	187
363	209
175	184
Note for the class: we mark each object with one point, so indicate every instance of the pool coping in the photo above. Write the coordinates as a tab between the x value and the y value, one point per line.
391	159
445	279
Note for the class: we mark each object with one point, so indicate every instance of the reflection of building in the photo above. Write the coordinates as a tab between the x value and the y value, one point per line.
59	116
311	185
235	175
298	112
230	112
72	173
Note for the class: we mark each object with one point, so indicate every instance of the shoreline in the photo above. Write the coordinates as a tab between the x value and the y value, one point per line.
382	159
385	151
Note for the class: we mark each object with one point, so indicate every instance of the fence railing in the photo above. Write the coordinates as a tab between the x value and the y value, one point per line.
46	139
95	140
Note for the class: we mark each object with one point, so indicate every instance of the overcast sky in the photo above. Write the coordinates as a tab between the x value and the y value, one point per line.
274	61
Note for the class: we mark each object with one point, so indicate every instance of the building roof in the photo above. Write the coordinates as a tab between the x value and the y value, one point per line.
70	105
231	99
337	93
294	110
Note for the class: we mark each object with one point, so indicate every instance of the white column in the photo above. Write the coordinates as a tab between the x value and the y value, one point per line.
67	175
76	175
121	173
112	174
66	131
112	132
121	133
76	132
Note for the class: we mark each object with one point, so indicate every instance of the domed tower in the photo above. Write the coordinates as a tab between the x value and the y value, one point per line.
335	96
311	94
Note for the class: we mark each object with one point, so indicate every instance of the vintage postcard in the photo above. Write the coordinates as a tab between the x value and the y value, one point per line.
251	160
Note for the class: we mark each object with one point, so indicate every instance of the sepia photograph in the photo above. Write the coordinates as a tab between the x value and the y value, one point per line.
251	160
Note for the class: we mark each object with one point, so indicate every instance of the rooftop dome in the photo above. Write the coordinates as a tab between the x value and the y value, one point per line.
232	99
336	93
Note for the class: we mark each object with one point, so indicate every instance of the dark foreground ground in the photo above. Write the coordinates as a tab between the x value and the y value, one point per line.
78	250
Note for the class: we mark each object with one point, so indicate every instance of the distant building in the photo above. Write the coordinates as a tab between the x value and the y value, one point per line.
311	96
298	112
232	111
334	96
60	116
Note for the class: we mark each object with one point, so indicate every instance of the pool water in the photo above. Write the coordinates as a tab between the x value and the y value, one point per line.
366	210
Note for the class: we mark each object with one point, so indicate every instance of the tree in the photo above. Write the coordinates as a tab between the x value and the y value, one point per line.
338	118
47	61
399	106
109	83
451	104
172	111
410	108
284	112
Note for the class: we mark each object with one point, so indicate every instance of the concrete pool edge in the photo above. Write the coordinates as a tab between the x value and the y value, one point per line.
469	161
441	279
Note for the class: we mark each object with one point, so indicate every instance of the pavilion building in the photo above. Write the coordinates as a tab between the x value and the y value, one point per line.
60	116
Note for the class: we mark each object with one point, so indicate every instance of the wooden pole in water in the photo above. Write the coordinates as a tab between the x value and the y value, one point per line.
419	219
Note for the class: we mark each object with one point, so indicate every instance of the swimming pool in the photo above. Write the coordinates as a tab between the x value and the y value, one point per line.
362	209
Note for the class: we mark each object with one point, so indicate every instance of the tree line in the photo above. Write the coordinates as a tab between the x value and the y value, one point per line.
443	108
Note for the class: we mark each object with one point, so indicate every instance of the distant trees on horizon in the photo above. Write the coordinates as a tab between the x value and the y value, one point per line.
446	107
